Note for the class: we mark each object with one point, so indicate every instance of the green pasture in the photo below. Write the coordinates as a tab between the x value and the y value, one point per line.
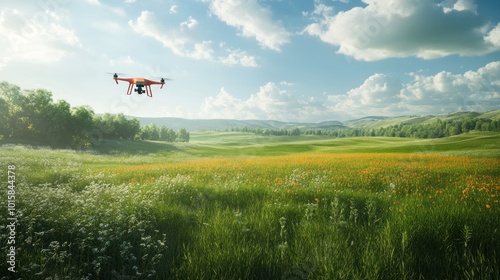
231	205
235	143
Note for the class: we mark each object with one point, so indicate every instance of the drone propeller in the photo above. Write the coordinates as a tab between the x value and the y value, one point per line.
161	79
115	74
153	77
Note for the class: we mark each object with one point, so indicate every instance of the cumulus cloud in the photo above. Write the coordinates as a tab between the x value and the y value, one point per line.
402	28
202	50
424	94
225	106
445	91
270	102
180	43
238	57
33	39
379	94
493	36
273	102
252	20
458	5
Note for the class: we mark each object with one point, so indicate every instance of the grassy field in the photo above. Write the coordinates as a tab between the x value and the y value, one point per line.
241	206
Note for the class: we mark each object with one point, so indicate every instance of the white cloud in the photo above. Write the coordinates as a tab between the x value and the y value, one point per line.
225	106
445	92
403	28
270	102
379	94
94	2
30	39
319	9
440	93
273	102
173	9
147	25
190	23
202	50
493	36
285	83
237	57
180	43
252	20
459	5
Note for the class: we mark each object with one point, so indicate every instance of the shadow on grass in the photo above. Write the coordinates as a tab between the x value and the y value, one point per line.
103	146
134	147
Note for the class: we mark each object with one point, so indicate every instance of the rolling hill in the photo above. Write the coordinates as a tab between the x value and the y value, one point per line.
222	124
378	122
371	122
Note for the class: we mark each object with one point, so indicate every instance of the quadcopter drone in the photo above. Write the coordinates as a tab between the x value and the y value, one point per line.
139	83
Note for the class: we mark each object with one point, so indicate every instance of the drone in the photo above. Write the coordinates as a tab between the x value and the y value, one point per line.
139	83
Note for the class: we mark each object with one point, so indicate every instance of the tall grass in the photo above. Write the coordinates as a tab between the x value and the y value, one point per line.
301	216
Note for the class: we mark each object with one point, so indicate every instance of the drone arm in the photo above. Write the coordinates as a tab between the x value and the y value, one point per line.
130	80
151	82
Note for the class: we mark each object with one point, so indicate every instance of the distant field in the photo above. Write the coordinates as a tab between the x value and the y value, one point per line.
240	206
235	143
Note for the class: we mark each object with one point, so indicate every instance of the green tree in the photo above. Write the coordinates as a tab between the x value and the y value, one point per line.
104	126
485	126
167	134
150	132
126	128
479	124
468	124
183	135
171	135
82	121
295	132
36	108
18	125
4	118
58	129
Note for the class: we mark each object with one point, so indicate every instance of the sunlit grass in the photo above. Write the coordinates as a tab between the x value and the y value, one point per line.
298	216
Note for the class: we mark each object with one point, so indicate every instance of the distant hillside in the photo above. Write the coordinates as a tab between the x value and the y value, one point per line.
222	124
379	122
371	122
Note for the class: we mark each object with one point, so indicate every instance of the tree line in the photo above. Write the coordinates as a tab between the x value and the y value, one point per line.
154	132
436	129
32	115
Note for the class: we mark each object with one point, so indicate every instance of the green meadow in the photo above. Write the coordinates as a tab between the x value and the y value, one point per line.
233	205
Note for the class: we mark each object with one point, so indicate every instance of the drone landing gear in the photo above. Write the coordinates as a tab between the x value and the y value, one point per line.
129	90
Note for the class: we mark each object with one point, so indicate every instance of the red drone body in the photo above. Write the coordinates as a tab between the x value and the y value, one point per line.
139	84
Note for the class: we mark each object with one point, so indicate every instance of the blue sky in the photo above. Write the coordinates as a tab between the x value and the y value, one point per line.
304	60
